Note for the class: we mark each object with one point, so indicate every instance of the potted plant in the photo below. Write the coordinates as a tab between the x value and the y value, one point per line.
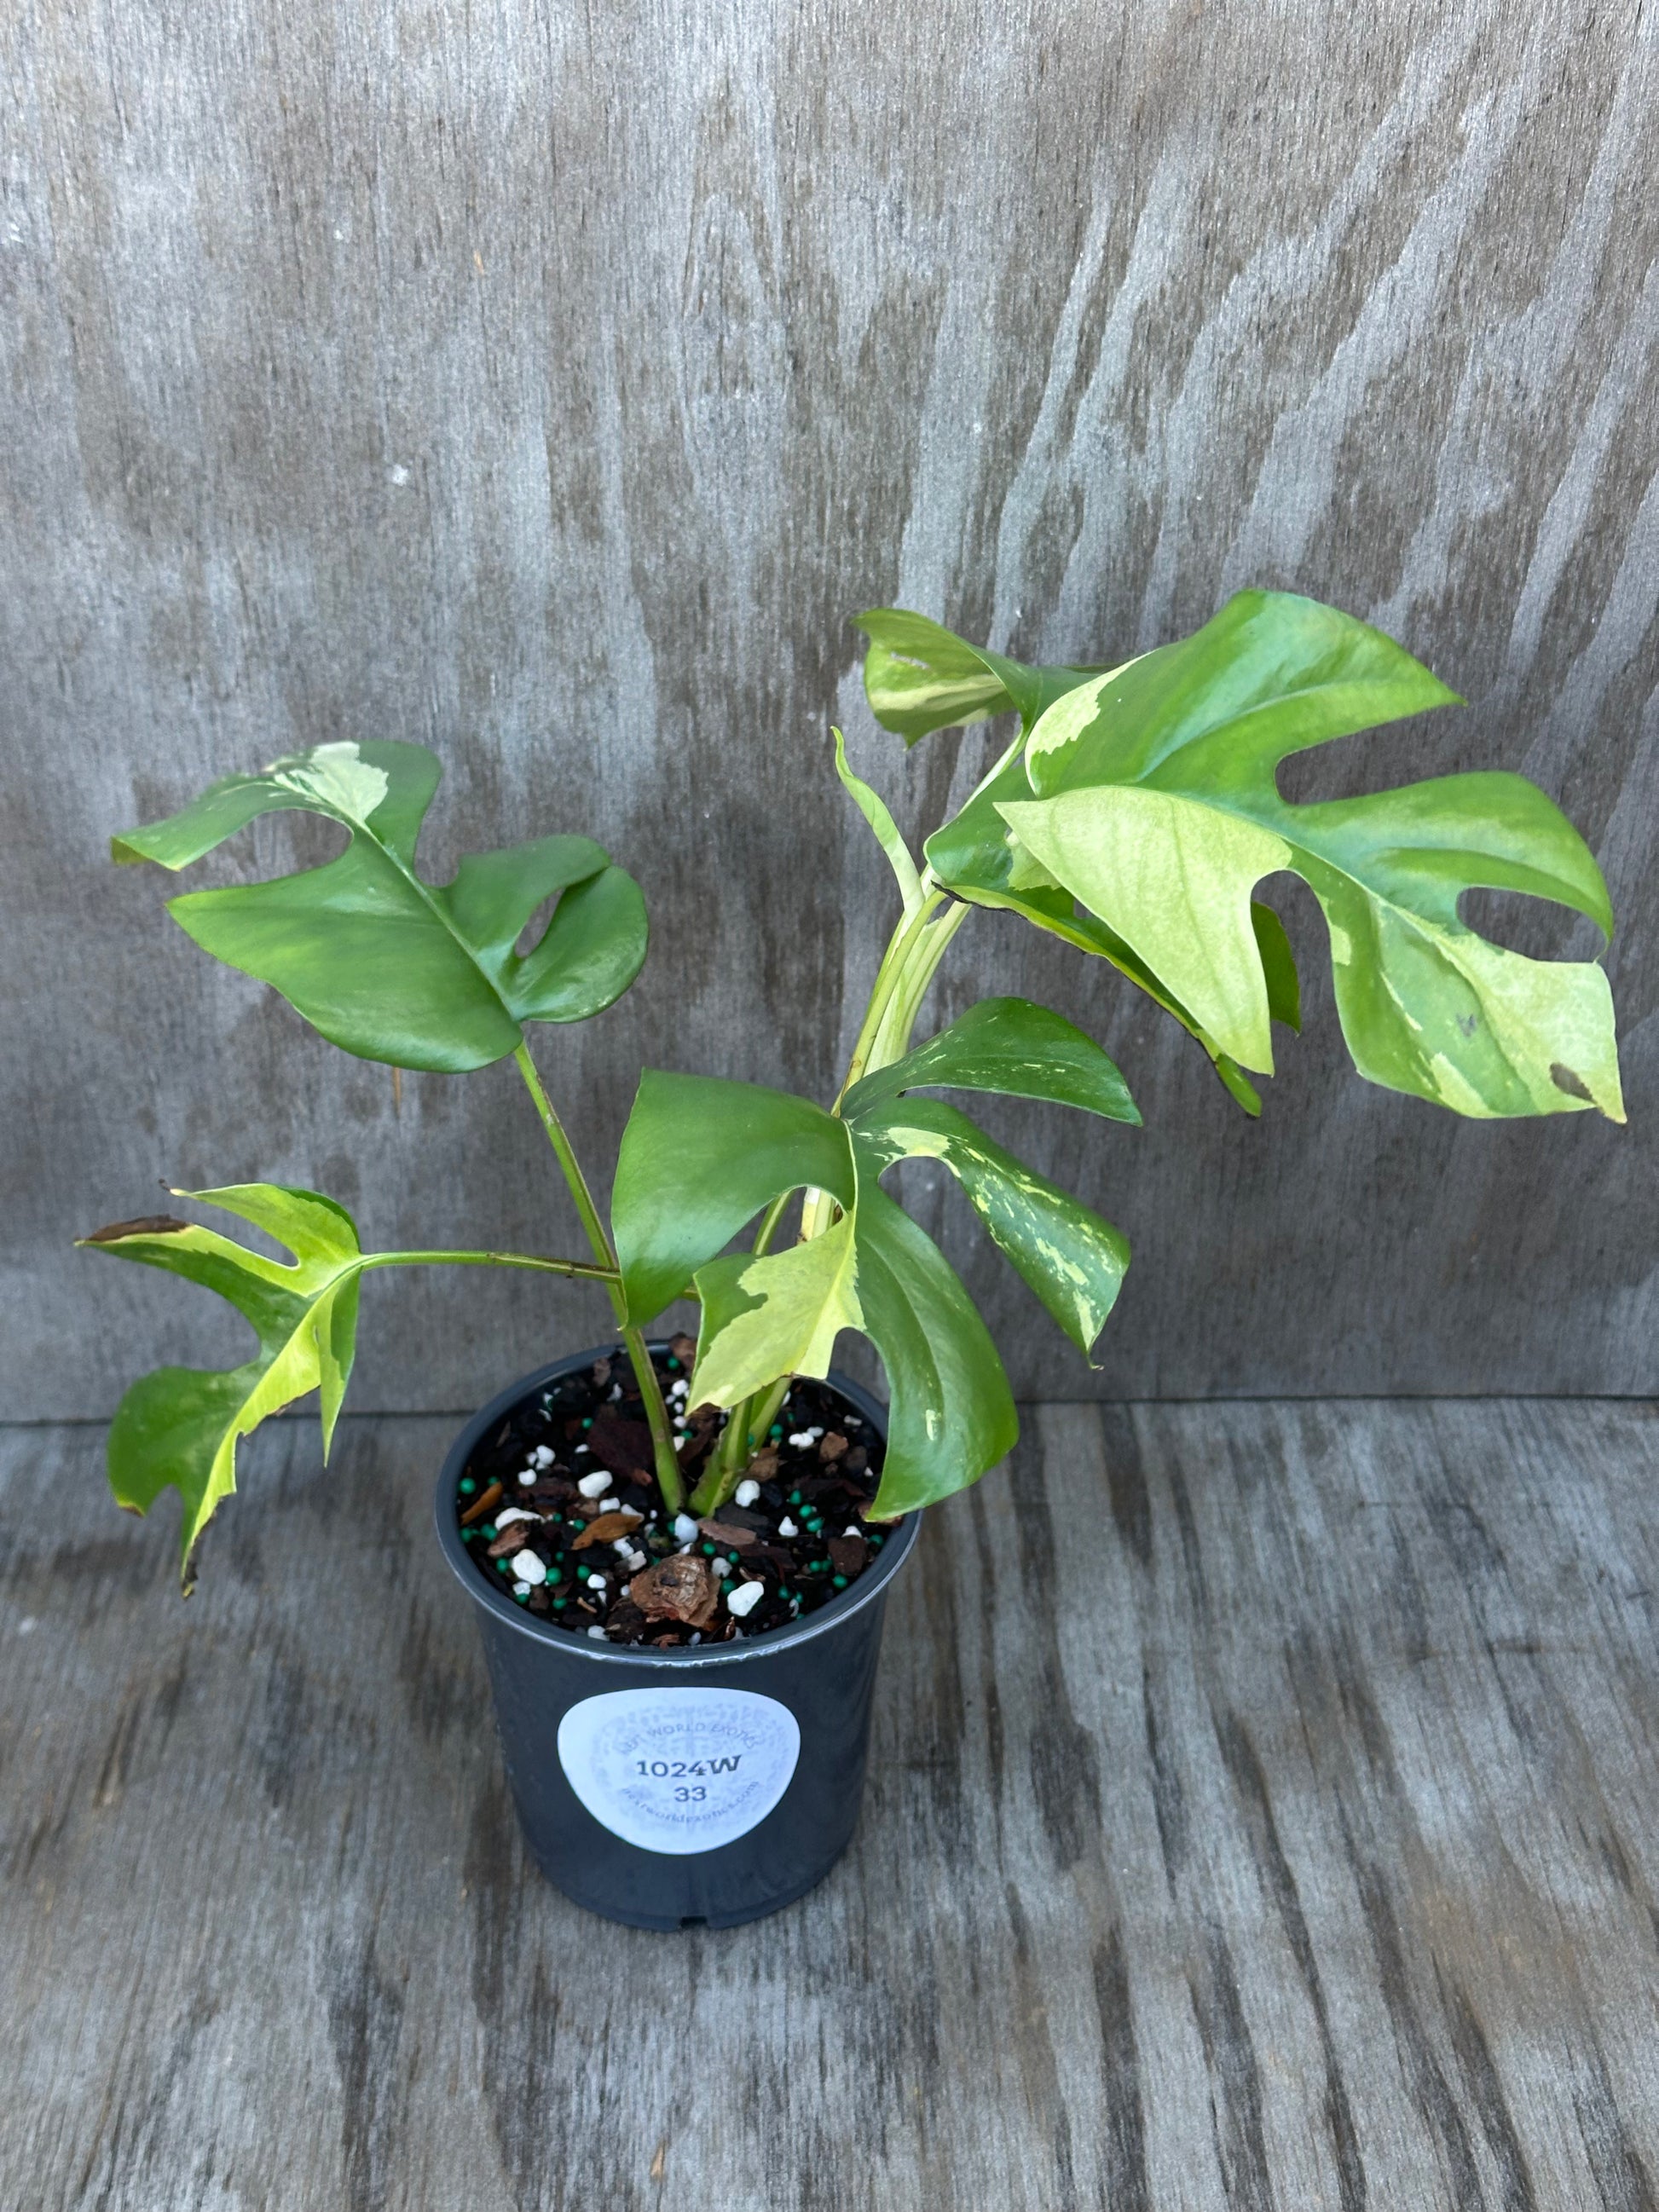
680	1552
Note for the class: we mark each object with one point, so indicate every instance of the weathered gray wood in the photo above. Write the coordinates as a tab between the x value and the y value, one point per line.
1290	1842
552	382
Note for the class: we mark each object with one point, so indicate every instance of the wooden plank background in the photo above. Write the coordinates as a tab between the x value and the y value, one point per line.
1262	1815
551	383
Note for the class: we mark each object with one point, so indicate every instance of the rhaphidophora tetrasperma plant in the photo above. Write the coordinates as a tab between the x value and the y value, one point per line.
1133	815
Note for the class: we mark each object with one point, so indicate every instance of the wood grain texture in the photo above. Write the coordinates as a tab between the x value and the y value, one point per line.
1287	1840
551	384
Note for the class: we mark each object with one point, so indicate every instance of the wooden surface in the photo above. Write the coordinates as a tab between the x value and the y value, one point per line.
1289	1842
551	383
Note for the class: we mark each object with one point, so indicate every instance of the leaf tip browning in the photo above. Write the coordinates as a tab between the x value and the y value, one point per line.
148	1224
1565	1078
1569	1081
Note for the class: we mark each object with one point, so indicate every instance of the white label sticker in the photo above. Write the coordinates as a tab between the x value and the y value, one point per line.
679	1771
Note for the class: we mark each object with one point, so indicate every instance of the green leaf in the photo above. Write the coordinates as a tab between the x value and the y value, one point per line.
1157	806
976	856
700	1156
1278	966
776	1315
1010	1046
383	963
1182	877
177	1427
920	677
873	808
950	1414
1073	1260
1238	1084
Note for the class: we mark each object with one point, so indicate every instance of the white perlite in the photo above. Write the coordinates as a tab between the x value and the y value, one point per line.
786	1526
594	1485
746	1493
515	1513
685	1529
744	1599
542	1455
528	1568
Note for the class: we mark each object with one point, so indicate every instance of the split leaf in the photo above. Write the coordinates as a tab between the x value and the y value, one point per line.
177	1428
1010	1046
950	1413
1073	1259
383	963
700	1158
978	858
777	1314
1156	804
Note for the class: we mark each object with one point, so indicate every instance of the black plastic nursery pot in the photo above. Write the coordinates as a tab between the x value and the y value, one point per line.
680	1788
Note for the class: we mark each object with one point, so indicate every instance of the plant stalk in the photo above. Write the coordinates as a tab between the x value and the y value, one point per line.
666	1461
909	928
908	967
731	1454
751	1421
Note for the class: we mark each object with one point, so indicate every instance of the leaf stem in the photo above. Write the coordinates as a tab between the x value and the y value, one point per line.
578	1268
645	1374
909	928
731	1455
564	1152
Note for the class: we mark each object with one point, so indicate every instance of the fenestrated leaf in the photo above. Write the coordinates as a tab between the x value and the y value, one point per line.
1010	1046
700	1156
976	856
1156	806
950	1414
874	809
920	677
1073	1259
177	1428
384	964
778	1314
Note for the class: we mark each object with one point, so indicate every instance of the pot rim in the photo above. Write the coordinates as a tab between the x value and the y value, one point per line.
870	1585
